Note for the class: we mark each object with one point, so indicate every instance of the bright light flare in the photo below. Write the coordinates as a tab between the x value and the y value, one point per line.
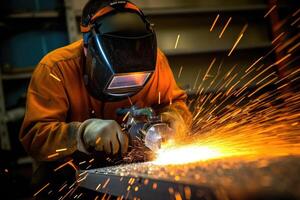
185	154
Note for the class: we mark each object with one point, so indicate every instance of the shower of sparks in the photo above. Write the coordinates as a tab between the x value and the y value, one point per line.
271	9
177	40
259	123
214	23
223	30
241	120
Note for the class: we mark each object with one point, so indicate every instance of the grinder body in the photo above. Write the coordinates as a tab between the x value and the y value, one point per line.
143	124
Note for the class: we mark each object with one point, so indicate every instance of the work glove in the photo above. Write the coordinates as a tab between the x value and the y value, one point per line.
101	135
179	119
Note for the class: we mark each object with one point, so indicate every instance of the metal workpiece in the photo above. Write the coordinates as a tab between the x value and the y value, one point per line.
231	178
107	181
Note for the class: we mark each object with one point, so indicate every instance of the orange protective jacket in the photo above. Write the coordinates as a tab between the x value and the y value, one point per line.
58	101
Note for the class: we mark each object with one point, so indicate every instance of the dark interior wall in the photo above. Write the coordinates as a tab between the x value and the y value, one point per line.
29	29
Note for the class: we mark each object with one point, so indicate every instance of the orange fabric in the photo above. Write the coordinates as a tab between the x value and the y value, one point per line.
102	12
132	7
84	29
57	101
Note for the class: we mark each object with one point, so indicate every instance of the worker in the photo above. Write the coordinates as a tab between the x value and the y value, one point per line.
76	90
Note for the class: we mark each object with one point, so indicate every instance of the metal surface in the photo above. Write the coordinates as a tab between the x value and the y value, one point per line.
108	181
276	178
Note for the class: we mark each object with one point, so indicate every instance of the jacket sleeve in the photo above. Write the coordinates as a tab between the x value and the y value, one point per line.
44	129
172	102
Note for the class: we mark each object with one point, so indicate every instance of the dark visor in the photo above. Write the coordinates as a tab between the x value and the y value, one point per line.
130	54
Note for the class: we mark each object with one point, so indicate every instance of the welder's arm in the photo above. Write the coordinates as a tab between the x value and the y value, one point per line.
45	130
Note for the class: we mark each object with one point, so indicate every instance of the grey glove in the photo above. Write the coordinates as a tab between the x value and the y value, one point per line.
102	135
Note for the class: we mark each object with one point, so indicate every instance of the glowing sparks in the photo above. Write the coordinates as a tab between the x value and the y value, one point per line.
271	9
185	154
223	30
281	60
98	186
248	69
180	71
177	40
82	179
98	140
296	12
53	155
238	40
295	22
41	189
195	84
277	38
208	70
136	188
158	98
125	117
55	77
61	150
294	47
83	162
63	165
178	196
63	187
106	183
214	23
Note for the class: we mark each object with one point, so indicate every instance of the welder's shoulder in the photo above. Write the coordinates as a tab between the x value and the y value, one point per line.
160	55
70	52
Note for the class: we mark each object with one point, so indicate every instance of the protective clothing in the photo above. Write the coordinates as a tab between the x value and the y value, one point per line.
121	54
58	102
102	135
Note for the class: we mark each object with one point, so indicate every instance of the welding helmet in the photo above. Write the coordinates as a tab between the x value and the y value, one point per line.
121	51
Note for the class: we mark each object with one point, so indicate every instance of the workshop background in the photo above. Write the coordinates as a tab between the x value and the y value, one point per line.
29	29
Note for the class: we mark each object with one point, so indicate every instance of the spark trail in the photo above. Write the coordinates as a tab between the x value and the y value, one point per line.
238	121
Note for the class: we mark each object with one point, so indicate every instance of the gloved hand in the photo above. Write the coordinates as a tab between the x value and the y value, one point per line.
179	118
101	135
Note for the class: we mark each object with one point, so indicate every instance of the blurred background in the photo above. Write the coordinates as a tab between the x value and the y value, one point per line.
194	35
